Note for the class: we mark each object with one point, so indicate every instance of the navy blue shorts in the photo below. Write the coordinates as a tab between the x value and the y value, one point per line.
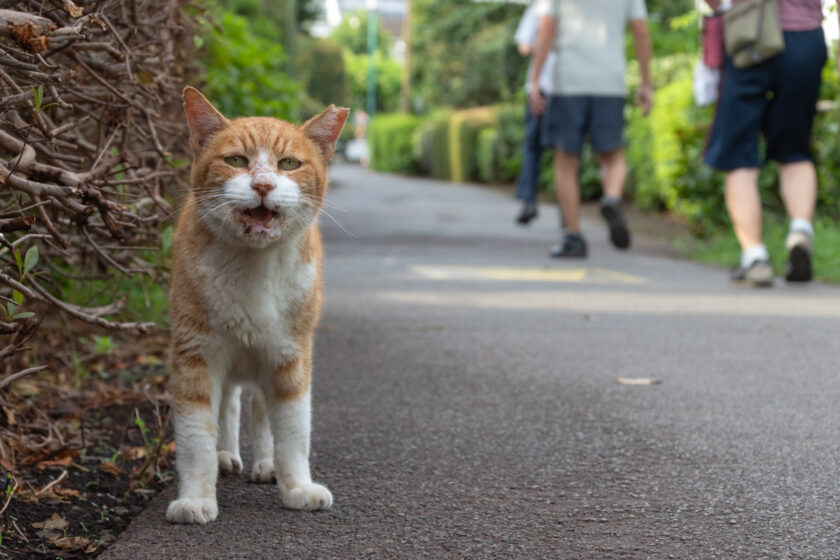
569	119
777	98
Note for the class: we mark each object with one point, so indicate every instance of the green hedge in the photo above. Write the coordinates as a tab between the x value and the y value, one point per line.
431	146
664	151
390	141
486	158
464	128
445	146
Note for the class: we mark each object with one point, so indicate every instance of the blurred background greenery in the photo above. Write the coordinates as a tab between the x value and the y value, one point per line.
449	104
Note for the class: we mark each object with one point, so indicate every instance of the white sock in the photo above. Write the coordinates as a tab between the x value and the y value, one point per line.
754	253
799	224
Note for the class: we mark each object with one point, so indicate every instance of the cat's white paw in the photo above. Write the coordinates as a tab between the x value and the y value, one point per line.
230	463
189	510
309	497
263	470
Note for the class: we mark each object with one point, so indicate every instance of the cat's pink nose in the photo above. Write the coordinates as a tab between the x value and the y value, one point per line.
262	188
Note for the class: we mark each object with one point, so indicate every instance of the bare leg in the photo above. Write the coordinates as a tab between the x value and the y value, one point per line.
262	467
614	172
799	189
568	190
230	462
744	205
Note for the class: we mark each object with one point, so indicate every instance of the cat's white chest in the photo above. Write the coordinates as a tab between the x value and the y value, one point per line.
254	297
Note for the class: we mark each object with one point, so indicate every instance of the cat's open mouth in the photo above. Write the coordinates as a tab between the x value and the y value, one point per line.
259	219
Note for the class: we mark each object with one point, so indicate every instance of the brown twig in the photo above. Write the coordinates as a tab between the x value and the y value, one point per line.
15	376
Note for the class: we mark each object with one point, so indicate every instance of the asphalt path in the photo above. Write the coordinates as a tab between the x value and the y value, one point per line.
466	402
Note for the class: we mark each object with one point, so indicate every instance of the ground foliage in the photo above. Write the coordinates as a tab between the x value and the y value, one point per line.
82	451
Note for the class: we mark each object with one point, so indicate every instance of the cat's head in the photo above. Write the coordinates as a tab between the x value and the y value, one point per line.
257	180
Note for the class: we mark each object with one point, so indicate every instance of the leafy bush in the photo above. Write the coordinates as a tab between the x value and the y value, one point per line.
245	73
320	68
665	157
391	143
388	80
483	69
827	152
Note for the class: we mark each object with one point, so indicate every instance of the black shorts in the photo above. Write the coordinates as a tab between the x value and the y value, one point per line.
777	98
569	119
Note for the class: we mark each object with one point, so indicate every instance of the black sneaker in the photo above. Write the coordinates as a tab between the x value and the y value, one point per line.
800	245
619	234
758	274
572	246
528	213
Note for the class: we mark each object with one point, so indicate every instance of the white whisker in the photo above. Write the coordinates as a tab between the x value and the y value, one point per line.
208	212
333	218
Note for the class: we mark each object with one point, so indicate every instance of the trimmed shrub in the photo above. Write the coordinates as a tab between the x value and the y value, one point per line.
391	145
431	146
501	162
464	127
486	159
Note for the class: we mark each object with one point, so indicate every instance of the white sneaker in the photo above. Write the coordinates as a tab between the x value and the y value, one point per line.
758	274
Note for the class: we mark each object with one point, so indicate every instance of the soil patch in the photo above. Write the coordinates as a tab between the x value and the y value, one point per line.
84	445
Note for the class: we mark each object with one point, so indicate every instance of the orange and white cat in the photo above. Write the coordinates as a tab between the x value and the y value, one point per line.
245	300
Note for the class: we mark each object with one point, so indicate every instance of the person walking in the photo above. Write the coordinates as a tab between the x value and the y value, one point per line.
586	97
777	98
527	186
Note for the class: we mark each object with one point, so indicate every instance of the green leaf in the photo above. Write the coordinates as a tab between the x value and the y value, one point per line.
17	296
38	96
19	261
24	315
103	344
10	309
31	259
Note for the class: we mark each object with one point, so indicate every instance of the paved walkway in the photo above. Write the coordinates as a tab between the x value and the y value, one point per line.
466	403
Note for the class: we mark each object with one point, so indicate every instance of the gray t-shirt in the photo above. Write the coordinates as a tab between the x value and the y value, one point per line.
589	45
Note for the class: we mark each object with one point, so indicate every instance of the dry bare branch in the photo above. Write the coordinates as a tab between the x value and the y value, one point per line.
90	115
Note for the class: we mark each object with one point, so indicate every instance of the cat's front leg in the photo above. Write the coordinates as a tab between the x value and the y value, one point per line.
196	394
230	462
289	411
262	466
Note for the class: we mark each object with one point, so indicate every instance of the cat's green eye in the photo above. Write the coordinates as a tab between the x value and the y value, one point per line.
236	161
288	164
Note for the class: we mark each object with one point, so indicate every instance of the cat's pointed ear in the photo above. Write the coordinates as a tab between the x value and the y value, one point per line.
325	129
203	118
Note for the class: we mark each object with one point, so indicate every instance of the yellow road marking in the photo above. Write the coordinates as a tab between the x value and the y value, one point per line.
517	274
